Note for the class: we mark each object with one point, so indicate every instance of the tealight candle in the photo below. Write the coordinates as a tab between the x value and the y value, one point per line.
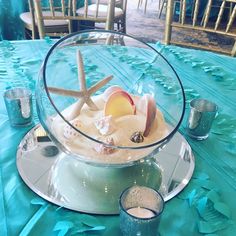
19	106
140	211
201	116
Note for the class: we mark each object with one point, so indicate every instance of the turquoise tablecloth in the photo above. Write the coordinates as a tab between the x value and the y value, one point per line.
205	207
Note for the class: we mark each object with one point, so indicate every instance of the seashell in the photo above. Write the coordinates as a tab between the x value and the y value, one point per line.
102	149
137	137
105	125
147	106
69	132
110	90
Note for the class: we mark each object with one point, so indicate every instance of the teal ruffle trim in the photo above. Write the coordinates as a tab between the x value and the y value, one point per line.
31	223
204	196
66	225
218	73
224	127
84	223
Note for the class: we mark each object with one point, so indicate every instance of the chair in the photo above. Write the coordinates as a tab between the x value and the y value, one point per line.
30	23
96	12
161	7
219	26
119	17
28	19
140	2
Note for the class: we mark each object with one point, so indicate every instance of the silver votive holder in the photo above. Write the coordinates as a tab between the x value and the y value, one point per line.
201	116
140	211
18	103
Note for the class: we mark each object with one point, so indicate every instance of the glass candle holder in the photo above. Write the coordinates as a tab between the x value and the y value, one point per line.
202	114
18	103
140	211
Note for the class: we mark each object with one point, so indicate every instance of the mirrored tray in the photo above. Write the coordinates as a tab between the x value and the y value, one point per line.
63	180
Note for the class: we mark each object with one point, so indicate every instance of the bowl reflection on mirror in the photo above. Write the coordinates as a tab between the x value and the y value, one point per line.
98	189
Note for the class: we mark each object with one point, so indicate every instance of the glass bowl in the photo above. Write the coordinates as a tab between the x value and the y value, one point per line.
136	67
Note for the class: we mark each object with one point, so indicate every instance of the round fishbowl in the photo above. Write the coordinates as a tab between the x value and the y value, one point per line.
108	99
110	103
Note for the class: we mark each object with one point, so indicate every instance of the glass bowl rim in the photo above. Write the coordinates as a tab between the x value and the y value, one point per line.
44	67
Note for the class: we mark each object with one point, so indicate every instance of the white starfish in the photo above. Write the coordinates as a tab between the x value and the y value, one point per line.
85	94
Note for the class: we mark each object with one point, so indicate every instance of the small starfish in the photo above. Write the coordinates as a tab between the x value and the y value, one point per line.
85	94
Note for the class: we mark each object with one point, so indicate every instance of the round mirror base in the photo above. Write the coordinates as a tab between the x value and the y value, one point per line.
67	182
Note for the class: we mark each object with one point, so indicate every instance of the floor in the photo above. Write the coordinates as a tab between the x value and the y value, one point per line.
149	28
146	26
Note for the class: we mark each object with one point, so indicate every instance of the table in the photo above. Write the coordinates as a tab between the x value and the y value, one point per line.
205	207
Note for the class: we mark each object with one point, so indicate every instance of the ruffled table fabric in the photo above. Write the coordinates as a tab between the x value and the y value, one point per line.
207	204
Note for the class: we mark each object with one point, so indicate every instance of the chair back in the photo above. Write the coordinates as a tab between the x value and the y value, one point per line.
119	12
118	3
217	17
69	11
32	15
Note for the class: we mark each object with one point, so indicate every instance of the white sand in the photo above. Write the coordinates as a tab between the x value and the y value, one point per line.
125	126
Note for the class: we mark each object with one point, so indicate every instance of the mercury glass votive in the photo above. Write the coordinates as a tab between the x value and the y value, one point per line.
140	211
18	103
202	114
